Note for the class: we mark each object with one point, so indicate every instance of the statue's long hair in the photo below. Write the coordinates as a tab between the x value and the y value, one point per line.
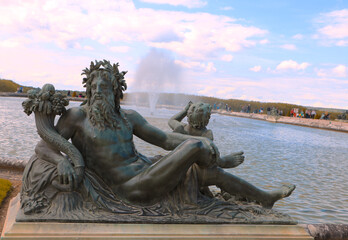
117	79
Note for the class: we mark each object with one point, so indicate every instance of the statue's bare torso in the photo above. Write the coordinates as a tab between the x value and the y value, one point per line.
111	152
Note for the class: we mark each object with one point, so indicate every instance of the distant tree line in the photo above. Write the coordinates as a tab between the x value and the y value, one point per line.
235	105
181	100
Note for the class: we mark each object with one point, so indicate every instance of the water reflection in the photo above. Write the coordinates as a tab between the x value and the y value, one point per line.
313	159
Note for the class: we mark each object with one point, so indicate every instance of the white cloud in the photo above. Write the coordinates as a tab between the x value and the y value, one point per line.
9	43
226	8
121	49
226	90
264	41
288	46
322	73
197	35
186	3
77	45
292	65
340	71
342	43
216	91
298	36
210	67
207	34
335	27
89	48
37	66
255	69
227	58
309	90
197	66
206	90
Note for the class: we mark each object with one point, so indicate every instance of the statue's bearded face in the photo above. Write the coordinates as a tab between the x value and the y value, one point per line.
102	111
101	87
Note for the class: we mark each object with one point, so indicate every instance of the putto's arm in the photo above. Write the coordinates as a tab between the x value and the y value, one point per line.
175	121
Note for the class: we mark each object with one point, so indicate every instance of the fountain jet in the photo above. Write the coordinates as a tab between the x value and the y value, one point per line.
156	73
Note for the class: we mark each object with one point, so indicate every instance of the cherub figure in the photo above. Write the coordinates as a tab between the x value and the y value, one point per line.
198	116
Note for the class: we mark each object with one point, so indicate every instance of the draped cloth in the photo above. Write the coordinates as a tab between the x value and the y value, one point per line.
94	201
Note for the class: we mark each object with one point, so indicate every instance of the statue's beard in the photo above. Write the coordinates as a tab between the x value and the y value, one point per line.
102	112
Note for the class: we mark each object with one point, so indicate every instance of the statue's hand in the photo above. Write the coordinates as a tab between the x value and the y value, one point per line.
67	175
213	154
80	172
215	151
180	129
188	106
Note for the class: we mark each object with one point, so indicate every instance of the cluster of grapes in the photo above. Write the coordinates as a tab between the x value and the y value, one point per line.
58	103
30	104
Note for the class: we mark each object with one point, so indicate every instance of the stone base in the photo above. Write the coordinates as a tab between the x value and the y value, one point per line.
56	230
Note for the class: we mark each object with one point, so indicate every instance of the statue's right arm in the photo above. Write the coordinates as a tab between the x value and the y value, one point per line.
68	177
66	127
46	152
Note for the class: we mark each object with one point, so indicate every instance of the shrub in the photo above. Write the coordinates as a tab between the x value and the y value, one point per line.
5	187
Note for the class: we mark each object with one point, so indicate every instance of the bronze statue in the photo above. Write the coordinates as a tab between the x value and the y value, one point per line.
100	176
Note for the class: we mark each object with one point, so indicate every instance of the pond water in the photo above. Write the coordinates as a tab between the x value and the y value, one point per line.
315	160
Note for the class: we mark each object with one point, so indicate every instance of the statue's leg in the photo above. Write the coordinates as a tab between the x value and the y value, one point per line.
237	186
164	175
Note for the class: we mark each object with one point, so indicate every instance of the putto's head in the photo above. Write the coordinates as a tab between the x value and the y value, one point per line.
198	115
103	78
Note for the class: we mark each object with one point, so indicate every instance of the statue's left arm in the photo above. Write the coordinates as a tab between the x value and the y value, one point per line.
165	140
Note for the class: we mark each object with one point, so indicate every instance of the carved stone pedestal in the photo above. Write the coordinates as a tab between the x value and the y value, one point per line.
56	230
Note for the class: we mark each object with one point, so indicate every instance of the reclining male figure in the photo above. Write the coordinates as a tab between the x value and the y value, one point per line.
103	133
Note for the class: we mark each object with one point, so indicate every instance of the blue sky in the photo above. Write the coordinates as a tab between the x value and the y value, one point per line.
279	51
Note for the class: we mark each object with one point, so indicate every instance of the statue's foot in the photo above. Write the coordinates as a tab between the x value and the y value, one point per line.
283	192
230	163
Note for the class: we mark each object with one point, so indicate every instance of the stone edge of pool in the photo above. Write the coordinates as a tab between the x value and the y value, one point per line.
335	125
